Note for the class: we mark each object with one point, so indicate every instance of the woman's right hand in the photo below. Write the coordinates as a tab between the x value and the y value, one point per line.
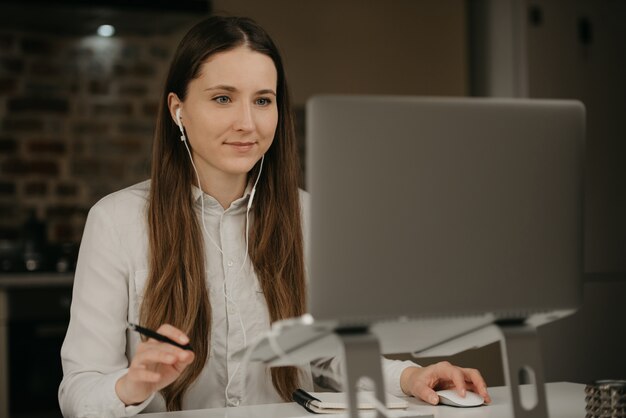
154	366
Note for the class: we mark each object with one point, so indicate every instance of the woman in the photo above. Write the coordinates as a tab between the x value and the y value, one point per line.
209	251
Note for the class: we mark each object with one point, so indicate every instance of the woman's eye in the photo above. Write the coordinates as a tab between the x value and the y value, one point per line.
263	101
222	99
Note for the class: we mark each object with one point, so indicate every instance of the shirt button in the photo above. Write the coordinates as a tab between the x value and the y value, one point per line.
230	263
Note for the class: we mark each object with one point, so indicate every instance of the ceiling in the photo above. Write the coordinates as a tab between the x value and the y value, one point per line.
82	17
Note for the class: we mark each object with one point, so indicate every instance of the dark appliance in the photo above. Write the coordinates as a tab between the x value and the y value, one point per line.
37	323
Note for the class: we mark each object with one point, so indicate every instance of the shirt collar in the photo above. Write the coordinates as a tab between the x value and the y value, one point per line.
197	194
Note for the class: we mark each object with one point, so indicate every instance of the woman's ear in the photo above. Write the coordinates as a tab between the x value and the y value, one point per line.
174	104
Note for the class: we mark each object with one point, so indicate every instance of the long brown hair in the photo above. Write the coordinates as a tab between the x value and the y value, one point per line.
176	291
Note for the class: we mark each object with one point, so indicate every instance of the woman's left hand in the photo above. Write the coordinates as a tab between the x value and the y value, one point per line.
422	382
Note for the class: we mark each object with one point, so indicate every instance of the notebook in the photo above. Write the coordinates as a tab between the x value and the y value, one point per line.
337	402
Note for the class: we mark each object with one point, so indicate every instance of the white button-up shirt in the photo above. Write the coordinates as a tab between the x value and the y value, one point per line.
109	285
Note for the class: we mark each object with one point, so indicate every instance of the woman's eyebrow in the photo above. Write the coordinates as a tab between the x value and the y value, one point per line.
266	91
221	87
234	89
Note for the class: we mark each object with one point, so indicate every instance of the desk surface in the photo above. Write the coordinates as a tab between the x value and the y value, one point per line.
565	400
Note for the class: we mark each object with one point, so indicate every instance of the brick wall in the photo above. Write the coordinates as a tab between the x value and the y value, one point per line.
76	122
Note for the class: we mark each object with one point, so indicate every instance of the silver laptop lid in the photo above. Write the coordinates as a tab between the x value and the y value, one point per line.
424	207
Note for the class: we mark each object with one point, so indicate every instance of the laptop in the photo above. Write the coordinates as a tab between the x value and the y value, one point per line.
444	207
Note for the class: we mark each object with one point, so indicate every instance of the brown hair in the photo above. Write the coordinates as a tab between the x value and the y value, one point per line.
176	291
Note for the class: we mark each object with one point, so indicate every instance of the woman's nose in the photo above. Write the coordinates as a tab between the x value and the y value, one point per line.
244	119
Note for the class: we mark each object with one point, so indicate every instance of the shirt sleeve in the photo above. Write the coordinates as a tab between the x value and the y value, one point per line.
93	355
392	370
328	372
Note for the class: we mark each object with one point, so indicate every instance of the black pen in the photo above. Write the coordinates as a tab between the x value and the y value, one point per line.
304	399
155	335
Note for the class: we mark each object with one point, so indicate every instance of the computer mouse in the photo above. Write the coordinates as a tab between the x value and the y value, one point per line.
452	398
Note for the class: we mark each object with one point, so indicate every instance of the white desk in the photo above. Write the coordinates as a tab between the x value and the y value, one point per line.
565	400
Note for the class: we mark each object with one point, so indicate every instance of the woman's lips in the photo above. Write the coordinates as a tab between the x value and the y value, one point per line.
242	146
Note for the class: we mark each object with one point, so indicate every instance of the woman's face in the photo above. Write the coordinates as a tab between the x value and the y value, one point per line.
230	112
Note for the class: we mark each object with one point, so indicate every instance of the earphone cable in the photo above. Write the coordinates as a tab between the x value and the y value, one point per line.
245	258
202	201
227	296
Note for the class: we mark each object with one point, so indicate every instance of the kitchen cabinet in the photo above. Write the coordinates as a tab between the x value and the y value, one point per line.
34	314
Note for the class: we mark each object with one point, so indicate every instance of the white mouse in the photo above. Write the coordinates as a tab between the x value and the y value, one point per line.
452	398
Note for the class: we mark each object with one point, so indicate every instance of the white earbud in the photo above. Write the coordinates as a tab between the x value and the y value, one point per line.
253	192
180	126
251	199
